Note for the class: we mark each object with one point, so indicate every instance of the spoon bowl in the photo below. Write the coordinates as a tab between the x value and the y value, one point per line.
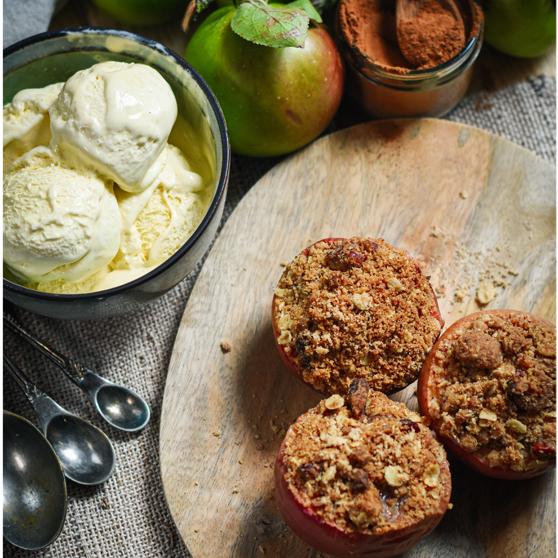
34	488
84	451
121	407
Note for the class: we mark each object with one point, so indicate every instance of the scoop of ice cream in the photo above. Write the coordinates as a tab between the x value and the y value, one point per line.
60	286
156	222
116	118
59	222
27	122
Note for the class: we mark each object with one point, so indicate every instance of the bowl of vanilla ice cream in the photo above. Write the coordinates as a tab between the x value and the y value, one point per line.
116	162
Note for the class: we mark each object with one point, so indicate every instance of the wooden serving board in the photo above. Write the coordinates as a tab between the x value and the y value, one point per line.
471	206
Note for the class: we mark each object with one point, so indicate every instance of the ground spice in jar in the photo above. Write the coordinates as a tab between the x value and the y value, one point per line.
428	76
434	36
370	27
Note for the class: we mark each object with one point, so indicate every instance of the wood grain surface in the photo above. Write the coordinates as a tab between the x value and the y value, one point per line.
473	208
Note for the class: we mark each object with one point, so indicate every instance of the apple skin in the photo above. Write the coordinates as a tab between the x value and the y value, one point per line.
288	359
522	28
275	100
143	12
424	395
333	541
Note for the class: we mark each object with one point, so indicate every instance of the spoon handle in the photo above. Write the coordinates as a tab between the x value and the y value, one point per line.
74	370
44	406
30	390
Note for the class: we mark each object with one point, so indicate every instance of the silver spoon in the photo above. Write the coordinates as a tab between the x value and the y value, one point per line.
34	488
84	451
121	407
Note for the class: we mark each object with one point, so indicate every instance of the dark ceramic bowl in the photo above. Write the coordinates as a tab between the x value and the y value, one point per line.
51	57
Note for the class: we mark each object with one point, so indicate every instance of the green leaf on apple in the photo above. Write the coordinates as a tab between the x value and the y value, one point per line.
308	7
275	26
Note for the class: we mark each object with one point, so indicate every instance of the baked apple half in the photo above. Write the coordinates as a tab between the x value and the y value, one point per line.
350	308
488	389
360	475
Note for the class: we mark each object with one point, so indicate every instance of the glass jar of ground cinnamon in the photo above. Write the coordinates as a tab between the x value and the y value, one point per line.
380	77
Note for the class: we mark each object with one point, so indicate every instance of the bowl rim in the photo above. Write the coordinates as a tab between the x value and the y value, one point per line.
219	189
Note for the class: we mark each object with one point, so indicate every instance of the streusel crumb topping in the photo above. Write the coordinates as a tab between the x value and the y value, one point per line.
368	465
493	381
356	308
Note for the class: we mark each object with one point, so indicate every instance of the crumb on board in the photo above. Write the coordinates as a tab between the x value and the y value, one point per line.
225	347
463	195
485	292
488	269
459	296
435	232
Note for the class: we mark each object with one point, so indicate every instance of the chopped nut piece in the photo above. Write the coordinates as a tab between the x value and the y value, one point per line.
359	518
285	338
329	473
333	441
395	476
396	284
361	300
432	475
225	347
516	426
334	402
485	414
355	434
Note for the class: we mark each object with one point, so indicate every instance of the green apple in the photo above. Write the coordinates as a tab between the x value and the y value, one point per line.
143	12
523	28
275	100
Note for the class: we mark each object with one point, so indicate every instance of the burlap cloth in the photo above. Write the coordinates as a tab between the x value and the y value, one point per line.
128	516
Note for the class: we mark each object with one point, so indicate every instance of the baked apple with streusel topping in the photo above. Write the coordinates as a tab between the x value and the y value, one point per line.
350	308
489	390
360	475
